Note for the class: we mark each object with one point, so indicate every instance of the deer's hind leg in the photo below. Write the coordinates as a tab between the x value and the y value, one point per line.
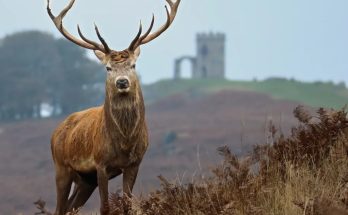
63	186
82	192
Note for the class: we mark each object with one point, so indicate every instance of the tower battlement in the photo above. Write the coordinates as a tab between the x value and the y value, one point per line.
211	36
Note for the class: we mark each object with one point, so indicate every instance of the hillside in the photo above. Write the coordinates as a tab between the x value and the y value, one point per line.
185	131
305	173
317	94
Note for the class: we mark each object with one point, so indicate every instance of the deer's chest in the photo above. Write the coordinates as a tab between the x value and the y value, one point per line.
123	158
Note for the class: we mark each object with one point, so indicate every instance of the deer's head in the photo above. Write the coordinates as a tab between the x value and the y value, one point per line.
120	65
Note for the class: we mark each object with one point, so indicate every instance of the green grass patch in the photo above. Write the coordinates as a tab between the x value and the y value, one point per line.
316	94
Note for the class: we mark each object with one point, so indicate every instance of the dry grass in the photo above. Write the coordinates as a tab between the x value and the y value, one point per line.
305	173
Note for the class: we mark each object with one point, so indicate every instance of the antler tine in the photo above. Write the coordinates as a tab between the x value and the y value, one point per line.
58	22
106	47
135	41
149	30
170	18
170	3
95	44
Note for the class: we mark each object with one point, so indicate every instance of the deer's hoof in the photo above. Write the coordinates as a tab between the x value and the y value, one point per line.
104	210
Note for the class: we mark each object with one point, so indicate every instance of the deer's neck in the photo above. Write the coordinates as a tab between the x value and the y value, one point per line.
123	115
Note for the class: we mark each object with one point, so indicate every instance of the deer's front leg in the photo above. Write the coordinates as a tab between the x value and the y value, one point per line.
103	181
129	177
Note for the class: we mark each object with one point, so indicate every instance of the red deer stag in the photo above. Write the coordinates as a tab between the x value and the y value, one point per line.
95	145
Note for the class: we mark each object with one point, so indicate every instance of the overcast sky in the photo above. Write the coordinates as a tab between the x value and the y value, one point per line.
304	39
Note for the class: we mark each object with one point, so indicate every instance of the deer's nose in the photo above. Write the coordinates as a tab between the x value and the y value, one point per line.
122	83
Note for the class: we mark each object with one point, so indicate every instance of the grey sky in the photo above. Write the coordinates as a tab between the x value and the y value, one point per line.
305	39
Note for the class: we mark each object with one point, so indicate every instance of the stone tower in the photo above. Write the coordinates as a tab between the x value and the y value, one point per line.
209	61
210	58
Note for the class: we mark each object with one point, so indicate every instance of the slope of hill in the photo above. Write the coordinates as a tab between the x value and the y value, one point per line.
317	94
305	173
187	120
185	130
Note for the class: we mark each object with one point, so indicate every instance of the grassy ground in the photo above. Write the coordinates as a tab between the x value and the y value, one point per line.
316	94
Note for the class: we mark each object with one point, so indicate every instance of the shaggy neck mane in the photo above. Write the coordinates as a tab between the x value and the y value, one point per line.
123	114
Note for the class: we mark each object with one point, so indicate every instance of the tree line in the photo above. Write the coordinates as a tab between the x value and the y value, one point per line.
37	69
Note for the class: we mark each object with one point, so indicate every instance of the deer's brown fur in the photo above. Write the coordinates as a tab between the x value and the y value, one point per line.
92	146
101	142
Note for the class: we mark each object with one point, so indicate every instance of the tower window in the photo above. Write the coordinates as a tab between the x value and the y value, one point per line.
204	51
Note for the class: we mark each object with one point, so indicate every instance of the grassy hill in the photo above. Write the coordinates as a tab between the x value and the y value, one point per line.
317	94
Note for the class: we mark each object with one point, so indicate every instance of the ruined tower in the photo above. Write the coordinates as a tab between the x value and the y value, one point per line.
209	61
210	56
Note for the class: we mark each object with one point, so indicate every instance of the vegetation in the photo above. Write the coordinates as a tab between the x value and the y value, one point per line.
305	173
317	94
36	68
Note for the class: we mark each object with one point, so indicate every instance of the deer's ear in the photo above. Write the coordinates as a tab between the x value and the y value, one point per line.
137	52
100	55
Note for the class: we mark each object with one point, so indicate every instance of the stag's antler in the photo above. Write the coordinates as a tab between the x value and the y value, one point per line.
147	37
85	43
89	44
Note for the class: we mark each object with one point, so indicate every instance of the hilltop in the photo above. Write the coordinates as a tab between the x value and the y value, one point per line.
316	94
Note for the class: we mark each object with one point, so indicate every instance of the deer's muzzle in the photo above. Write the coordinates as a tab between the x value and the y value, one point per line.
123	84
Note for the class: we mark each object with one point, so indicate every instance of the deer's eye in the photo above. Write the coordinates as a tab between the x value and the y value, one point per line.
109	69
133	66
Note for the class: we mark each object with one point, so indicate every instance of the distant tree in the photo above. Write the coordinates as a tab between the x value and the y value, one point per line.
341	85
35	68
77	75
